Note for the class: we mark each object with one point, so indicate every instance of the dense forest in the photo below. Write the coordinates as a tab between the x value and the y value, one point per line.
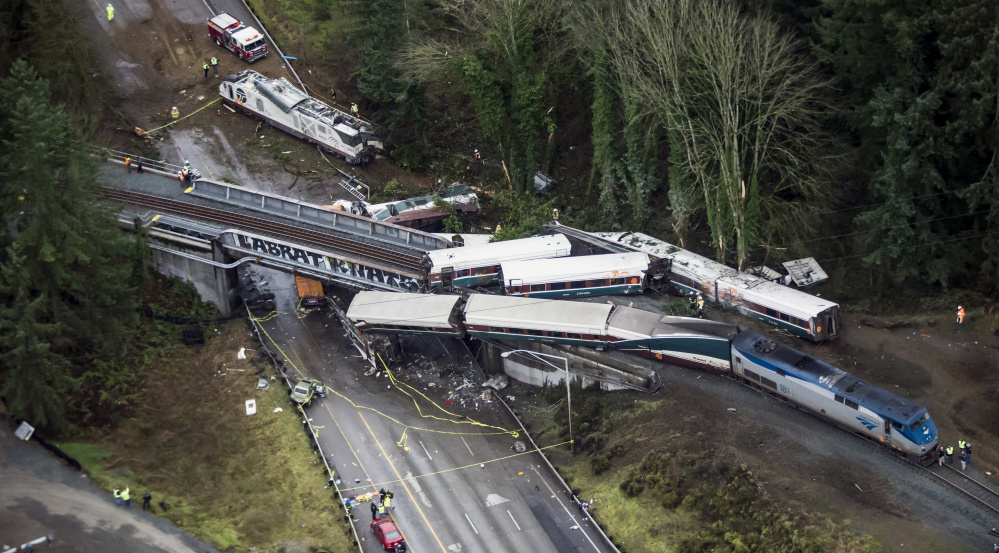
863	133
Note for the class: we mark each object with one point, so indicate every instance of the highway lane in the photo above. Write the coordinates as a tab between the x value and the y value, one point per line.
445	501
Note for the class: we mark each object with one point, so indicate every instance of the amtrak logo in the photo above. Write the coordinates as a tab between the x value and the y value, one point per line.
867	424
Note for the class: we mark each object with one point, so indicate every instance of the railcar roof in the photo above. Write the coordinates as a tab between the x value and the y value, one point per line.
793	301
647	323
280	91
471	240
537	314
640	242
790	300
496	252
398	308
843	383
584	267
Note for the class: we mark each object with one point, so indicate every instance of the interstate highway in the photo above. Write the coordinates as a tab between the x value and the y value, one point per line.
444	501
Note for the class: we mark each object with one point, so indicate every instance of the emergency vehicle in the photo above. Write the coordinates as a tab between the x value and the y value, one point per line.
228	32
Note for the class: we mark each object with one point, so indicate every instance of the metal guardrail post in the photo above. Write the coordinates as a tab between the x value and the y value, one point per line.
557	475
315	438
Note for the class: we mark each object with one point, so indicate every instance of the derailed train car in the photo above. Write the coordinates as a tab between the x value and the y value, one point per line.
831	393
810	317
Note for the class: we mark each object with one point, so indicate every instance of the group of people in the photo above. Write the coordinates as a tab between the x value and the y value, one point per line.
214	65
962	446
697	303
381	510
121	495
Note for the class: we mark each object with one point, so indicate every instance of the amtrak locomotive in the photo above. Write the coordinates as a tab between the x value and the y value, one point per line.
831	393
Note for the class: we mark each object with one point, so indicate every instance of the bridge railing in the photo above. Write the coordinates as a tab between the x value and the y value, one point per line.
155	166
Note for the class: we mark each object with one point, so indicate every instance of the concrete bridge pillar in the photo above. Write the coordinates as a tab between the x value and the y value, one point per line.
213	284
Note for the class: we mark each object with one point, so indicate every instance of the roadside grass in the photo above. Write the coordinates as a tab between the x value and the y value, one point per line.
621	515
232	480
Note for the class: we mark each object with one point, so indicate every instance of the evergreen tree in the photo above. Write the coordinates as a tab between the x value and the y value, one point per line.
65	256
400	105
923	78
606	139
35	380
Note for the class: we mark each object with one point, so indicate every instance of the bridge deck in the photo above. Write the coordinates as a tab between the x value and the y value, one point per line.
166	196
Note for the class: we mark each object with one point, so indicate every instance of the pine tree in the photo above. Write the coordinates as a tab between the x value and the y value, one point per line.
35	380
66	257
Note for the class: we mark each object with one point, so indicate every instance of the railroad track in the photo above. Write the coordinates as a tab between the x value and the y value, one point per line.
360	251
974	490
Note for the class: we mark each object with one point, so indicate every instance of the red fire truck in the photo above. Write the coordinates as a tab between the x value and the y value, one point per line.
246	42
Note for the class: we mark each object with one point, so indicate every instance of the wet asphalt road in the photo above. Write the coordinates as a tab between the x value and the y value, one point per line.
374	435
39	495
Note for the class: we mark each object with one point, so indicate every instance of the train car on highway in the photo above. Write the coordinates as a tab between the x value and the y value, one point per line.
587	275
284	106
480	265
406	313
834	394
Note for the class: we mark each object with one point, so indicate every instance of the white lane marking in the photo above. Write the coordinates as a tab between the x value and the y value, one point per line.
567	511
425	450
514	520
466	444
470	523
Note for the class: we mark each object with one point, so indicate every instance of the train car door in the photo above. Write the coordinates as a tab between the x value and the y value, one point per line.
887	438
447	277
738	366
228	87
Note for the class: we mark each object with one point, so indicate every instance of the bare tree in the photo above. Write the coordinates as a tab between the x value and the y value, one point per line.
744	102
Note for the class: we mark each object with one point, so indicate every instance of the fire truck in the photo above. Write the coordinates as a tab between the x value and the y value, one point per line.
230	33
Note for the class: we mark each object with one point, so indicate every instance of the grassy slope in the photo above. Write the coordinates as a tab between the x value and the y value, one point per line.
641	524
229	479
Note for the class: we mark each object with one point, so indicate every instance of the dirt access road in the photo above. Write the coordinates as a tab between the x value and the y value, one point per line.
41	496
154	50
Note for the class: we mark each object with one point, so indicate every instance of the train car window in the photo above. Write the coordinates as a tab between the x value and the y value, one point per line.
535	333
767	382
497	329
537	287
462	273
785	317
557	286
839	399
771	312
577	284
600	282
573	335
852	404
752	376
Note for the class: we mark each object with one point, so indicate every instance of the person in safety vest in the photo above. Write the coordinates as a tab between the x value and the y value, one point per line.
110	9
215	66
950	455
117	496
960	318
126	497
700	306
204	64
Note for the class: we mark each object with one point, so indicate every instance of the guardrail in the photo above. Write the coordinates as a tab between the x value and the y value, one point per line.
545	457
315	438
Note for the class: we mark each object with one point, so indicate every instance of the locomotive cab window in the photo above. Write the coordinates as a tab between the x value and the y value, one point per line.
851	404
922	420
898	426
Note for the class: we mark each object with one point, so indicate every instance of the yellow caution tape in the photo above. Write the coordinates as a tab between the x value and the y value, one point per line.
182	118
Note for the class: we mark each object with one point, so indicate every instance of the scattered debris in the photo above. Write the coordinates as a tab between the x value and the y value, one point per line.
263	384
